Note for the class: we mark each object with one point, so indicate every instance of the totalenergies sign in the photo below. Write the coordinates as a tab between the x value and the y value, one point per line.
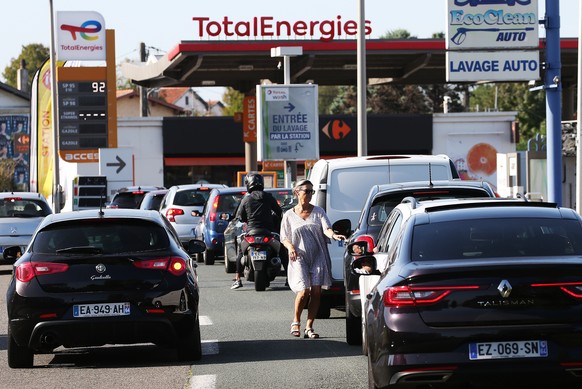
268	27
80	36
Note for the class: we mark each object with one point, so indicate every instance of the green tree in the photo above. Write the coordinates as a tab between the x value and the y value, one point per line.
530	106
34	54
7	175
233	101
327	94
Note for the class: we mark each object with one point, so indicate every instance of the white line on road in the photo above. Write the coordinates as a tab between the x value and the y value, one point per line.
203	381
205	321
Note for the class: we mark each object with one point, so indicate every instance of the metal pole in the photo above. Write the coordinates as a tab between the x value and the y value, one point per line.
55	118
289	167
362	82
553	86
578	114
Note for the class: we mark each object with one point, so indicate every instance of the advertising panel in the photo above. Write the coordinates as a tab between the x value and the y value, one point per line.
288	122
80	36
487	24
493	66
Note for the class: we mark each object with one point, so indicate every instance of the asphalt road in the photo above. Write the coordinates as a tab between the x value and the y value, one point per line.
246	344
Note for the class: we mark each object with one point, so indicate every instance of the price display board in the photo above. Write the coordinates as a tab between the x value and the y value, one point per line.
82	115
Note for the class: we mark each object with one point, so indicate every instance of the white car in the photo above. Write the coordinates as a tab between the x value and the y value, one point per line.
20	215
183	205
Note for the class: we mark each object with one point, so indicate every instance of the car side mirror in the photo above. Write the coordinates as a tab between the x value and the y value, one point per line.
358	248
364	265
195	246
342	227
12	253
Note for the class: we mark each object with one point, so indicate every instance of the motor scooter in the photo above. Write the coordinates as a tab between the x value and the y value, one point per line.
260	260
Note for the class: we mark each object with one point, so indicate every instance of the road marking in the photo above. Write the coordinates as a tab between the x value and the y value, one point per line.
210	347
203	381
205	321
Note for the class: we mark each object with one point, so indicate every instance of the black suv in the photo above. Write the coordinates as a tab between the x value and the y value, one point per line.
380	202
131	196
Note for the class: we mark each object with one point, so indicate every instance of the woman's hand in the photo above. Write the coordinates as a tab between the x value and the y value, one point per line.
338	237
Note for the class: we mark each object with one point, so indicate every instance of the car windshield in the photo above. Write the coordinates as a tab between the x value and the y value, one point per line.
382	206
19	207
191	198
107	236
491	238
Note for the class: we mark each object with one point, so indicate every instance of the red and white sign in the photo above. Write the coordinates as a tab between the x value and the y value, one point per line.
250	119
80	36
268	27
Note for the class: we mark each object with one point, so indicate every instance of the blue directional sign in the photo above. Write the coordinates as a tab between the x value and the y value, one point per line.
288	123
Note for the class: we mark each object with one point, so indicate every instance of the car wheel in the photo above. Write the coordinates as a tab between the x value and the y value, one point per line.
353	327
229	267
18	356
190	347
208	257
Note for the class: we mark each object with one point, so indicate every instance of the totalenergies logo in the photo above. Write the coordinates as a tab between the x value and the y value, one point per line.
84	30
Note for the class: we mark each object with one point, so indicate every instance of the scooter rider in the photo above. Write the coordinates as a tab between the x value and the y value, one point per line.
258	209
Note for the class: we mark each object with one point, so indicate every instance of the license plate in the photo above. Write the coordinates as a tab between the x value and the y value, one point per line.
259	255
503	350
101	310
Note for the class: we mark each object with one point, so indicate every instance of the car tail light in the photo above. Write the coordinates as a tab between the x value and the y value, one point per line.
574	289
28	270
258	239
212	215
177	265
12	198
406	295
172	212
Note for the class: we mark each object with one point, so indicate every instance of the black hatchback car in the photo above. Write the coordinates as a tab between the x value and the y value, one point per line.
379	203
91	278
477	293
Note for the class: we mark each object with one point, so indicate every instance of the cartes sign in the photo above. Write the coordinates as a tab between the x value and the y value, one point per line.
288	122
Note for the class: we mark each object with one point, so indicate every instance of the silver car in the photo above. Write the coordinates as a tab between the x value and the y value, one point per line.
183	205
20	215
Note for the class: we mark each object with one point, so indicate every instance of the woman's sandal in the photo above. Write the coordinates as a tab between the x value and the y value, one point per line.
295	329
309	333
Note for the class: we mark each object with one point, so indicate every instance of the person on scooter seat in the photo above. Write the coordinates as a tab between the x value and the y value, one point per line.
260	211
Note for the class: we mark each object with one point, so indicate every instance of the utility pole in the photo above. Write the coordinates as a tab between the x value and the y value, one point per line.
143	92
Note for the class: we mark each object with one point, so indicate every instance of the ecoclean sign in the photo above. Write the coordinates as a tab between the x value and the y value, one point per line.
492	40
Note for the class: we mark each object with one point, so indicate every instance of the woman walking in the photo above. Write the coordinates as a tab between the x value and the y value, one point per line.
305	230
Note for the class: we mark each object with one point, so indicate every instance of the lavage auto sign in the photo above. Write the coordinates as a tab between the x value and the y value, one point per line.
268	26
503	38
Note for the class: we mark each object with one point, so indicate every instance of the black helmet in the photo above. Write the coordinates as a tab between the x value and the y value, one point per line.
254	181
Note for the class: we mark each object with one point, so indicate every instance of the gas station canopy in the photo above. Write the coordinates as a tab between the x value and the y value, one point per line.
243	64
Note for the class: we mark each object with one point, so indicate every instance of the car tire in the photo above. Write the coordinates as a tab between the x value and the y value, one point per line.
208	257
190	347
229	267
18	357
353	327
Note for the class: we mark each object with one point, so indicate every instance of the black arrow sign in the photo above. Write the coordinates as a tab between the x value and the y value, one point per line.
120	162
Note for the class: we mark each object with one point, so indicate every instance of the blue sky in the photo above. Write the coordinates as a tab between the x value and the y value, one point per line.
163	24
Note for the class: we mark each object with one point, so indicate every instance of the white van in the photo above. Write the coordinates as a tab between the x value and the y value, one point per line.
342	186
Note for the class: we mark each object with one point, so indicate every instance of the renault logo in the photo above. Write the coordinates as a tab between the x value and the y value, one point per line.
504	288
100	268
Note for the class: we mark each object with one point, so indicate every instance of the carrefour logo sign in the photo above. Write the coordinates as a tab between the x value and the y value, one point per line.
80	35
481	24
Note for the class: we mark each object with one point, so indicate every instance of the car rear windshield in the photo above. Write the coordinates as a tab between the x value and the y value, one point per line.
131	200
191	198
483	238
383	205
19	207
106	236
229	202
